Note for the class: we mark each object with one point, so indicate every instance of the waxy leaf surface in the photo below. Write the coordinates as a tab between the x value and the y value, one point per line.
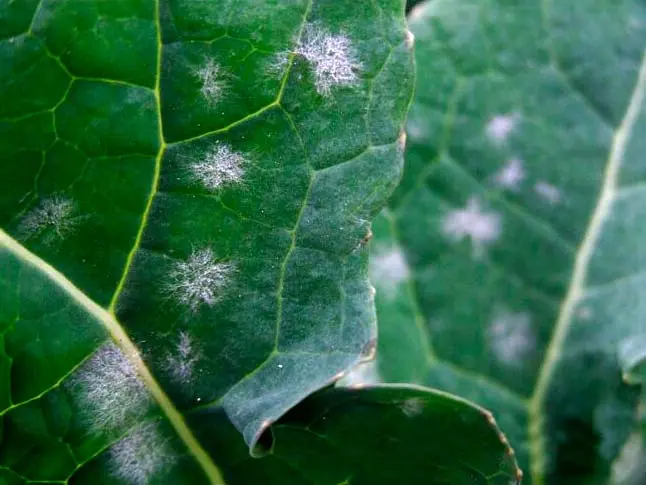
510	264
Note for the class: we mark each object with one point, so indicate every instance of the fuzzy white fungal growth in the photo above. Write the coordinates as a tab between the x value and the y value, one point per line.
510	336
221	166
198	280
388	269
181	363
364	373
412	407
500	127
213	81
141	456
332	58
511	175
483	228
108	391
53	219
547	192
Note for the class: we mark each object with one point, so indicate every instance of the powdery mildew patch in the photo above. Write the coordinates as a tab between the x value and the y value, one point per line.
364	374
108	391
412	407
511	175
332	57
500	127
388	269
141	456
181	363
213	80
221	166
510	336
199	280
547	192
53	219
482	227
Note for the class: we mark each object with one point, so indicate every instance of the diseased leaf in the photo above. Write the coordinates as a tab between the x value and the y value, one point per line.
509	265
107	421
186	190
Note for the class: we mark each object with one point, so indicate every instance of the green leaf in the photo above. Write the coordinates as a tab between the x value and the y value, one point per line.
186	190
510	263
331	438
108	421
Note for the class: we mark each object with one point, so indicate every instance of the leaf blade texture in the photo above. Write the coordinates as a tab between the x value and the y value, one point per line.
507	262
186	190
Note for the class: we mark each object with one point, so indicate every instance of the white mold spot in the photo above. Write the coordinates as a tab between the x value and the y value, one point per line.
213	80
278	64
388	269
221	166
483	228
500	127
143	455
511	175
511	336
52	220
412	407
198	280
547	192
181	363
365	373
108	391
332	58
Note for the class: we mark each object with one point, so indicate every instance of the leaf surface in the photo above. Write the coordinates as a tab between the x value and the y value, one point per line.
510	263
186	189
109	422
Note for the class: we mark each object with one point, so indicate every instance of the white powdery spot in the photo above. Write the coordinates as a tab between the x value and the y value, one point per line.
53	219
332	57
108	391
412	407
388	269
181	363
483	228
198	280
213	79
511	175
548	192
141	456
500	127
510	336
221	166
365	373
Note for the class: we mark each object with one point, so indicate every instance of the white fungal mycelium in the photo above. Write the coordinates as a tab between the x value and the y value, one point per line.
388	269
510	336
181	362
142	456
52	219
213	81
219	167
500	127
332	57
412	407
481	227
108	391
547	192
511	175
199	280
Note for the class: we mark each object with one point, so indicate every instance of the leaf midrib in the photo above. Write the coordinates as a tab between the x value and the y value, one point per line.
578	281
